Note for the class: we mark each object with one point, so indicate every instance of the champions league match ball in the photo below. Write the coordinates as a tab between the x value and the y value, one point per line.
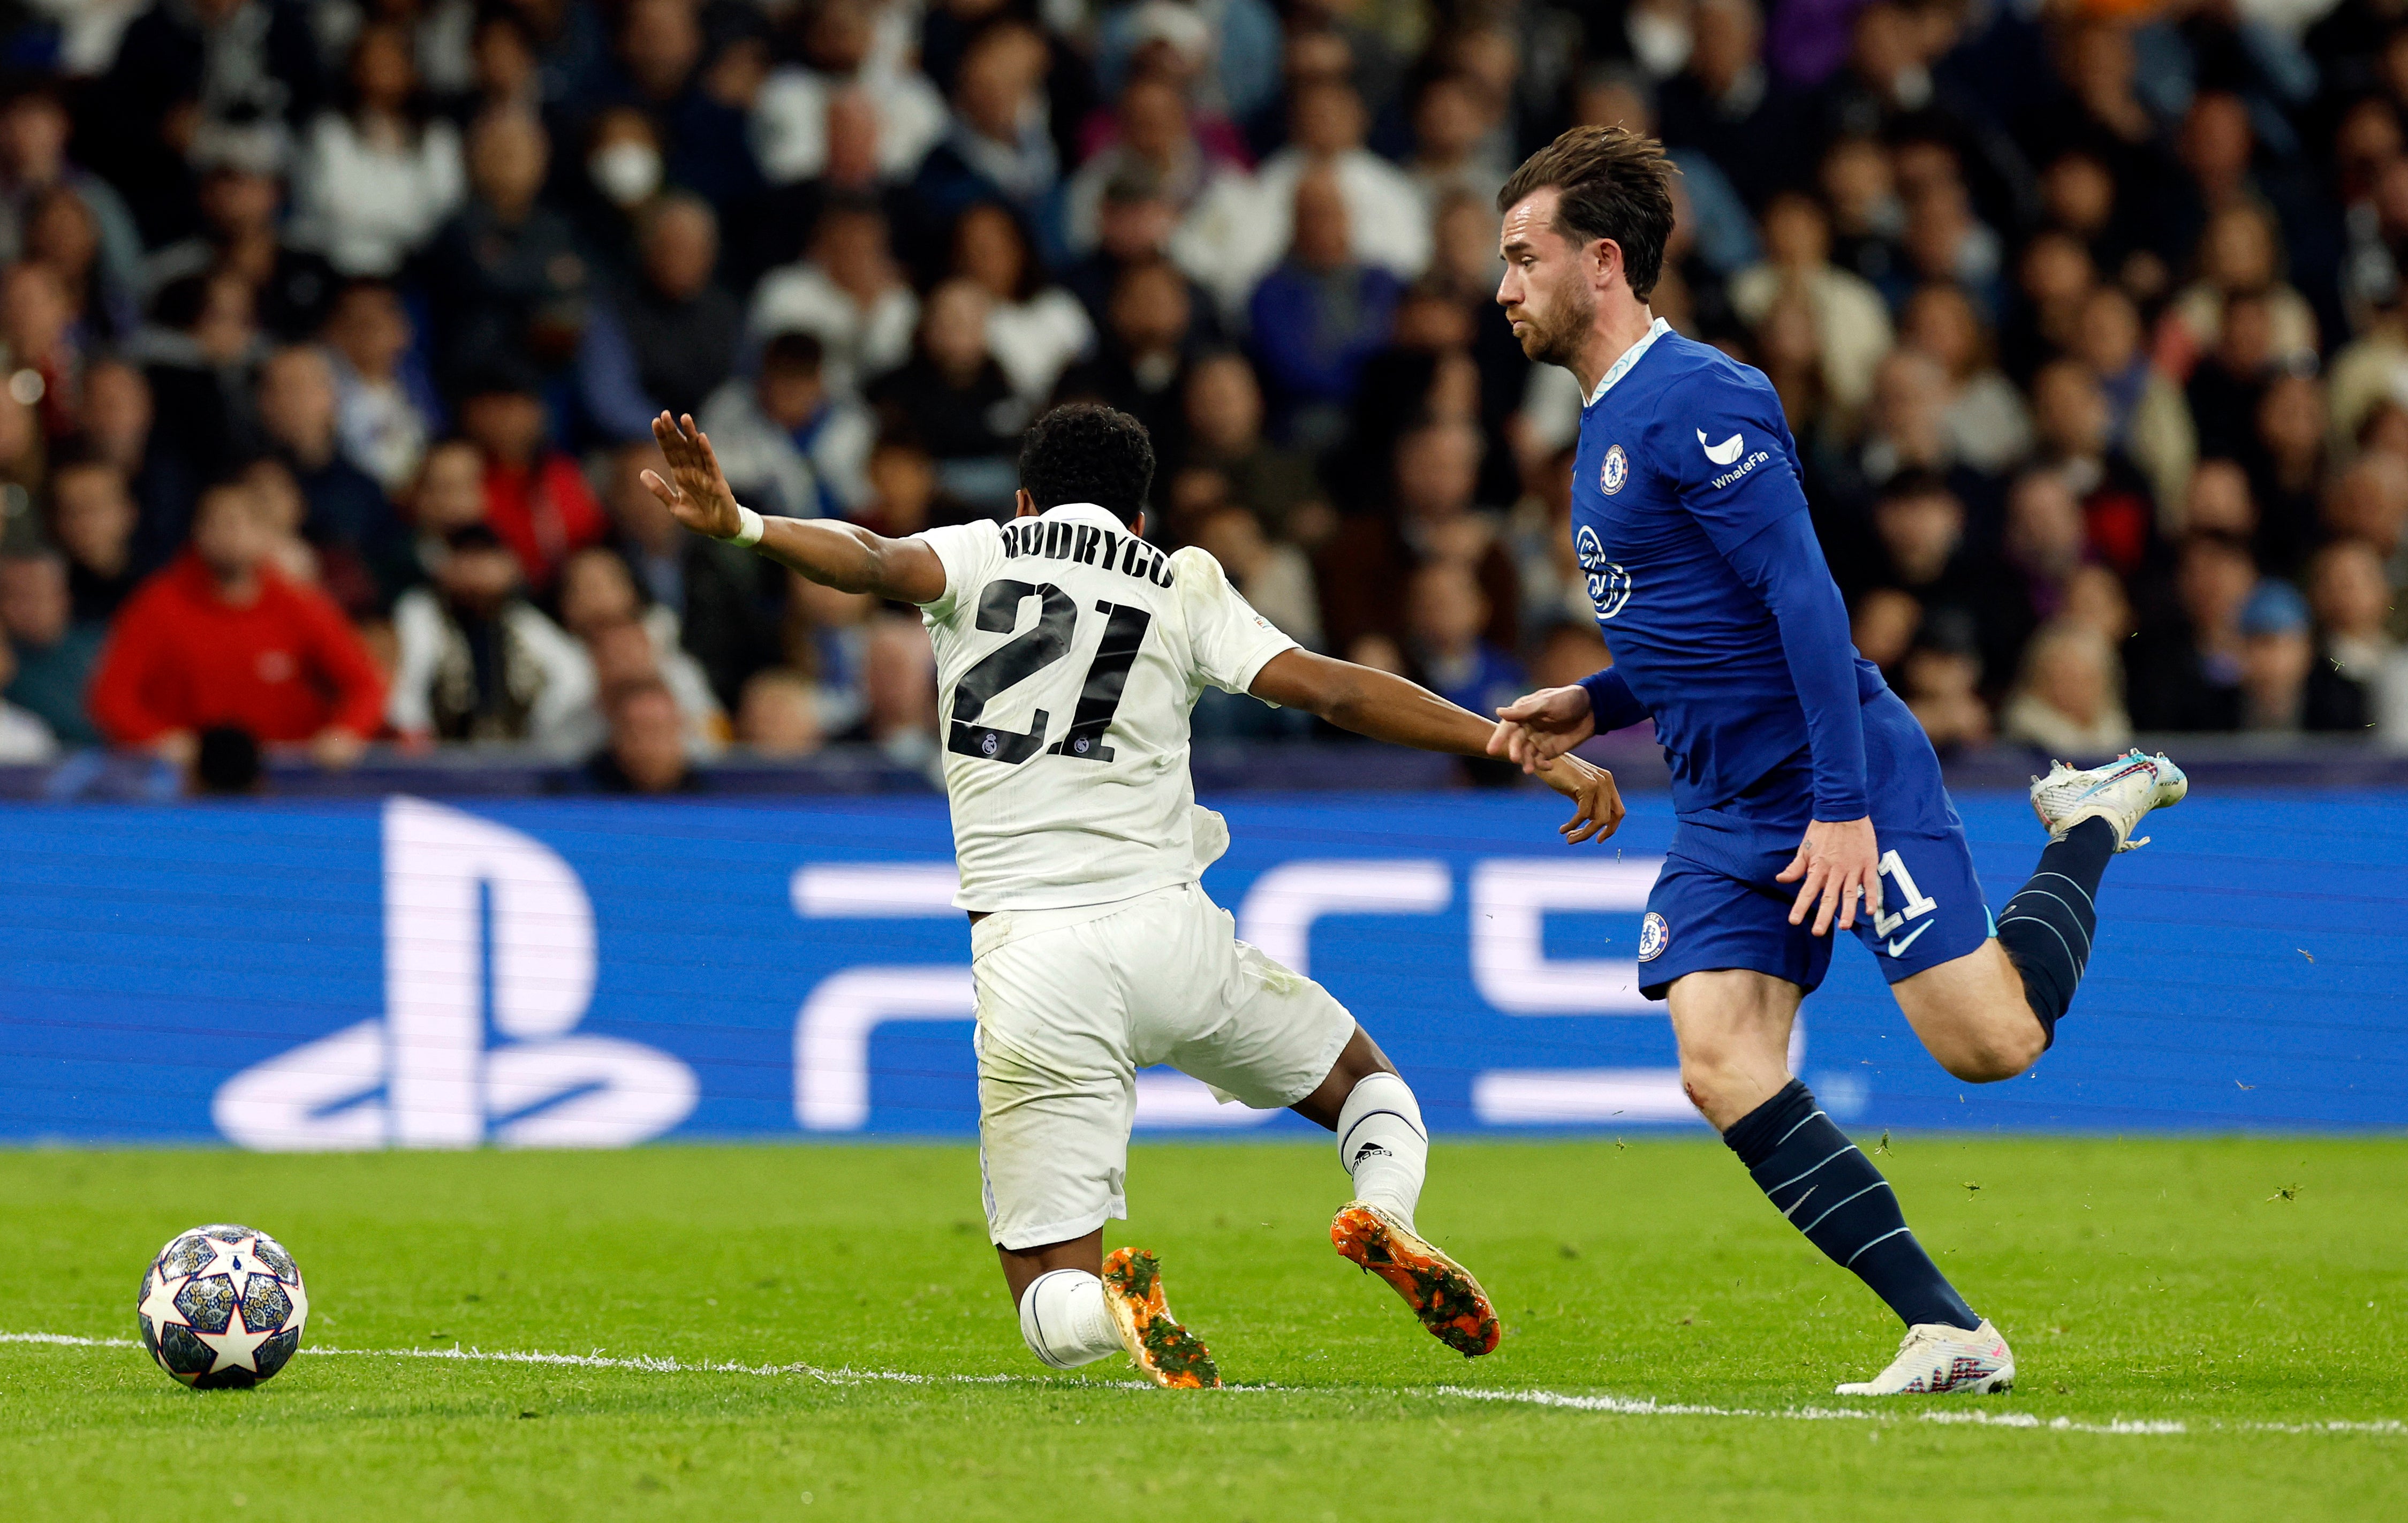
222	1307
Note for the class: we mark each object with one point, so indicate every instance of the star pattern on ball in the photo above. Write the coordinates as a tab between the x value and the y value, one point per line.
160	1304
238	1262
238	1347
300	1300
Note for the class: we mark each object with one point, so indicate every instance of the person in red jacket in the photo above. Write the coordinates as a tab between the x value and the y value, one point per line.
535	497
221	637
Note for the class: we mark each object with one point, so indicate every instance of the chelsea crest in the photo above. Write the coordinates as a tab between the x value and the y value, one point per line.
1654	936
1616	472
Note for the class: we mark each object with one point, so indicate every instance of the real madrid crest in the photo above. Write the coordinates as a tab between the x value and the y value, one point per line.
1616	472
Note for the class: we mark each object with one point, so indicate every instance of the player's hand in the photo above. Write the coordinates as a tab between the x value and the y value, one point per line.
696	493
1840	865
1591	787
1537	727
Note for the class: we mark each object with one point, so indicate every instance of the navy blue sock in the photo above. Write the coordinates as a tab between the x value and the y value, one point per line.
1833	1194
2047	926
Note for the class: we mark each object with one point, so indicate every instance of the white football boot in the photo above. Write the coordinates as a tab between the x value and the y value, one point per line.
2118	793
1933	1359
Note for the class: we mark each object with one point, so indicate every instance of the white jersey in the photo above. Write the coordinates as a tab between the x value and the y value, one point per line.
1069	656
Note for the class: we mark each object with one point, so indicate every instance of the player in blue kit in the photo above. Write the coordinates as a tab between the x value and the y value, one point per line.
1800	781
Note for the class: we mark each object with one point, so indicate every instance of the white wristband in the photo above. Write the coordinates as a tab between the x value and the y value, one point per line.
749	525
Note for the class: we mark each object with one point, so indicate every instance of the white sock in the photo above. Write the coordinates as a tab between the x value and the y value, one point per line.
1062	1315
1382	1144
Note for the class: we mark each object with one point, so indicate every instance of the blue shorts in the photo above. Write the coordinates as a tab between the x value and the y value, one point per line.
1716	905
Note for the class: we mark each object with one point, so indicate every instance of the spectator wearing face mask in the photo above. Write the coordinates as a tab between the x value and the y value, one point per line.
665	67
623	174
221	637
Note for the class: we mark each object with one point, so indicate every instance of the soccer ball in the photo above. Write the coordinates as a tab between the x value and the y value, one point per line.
222	1306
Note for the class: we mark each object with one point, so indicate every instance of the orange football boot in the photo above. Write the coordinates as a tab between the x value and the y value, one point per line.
1441	1291
1166	1353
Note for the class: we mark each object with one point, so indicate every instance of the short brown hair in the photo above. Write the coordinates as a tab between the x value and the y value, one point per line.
1616	184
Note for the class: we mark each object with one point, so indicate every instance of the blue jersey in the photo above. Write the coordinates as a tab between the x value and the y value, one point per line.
1690	521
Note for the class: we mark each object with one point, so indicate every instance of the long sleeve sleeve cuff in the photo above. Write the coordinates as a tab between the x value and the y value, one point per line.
1611	705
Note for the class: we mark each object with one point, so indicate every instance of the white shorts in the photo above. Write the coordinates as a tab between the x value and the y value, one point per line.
1072	1003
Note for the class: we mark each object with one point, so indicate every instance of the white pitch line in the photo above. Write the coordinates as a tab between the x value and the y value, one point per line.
1645	1407
1624	1406
643	1364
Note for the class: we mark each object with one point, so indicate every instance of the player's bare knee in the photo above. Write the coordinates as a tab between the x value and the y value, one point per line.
2004	1051
1715	1084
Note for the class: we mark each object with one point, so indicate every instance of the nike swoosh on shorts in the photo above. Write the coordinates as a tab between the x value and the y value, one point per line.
1898	948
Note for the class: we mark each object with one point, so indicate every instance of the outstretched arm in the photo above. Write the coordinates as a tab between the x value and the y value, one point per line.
1388	708
842	556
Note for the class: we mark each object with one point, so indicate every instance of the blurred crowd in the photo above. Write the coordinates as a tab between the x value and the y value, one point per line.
332	331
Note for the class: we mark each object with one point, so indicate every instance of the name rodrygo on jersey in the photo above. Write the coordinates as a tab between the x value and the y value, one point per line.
1070	653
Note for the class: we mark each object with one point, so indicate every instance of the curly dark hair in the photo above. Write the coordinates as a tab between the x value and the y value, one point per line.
1083	451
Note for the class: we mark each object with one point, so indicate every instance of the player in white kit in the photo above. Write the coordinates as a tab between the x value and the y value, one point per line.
1069	652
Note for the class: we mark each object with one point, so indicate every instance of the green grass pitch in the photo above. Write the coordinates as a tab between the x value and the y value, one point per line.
2214	1305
